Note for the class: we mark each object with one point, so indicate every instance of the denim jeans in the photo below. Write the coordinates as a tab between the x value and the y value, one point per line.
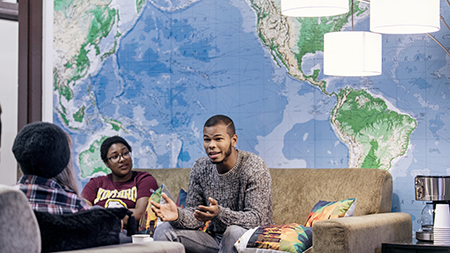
199	241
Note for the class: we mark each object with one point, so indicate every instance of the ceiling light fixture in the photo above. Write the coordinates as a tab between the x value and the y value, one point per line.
313	8
404	16
352	53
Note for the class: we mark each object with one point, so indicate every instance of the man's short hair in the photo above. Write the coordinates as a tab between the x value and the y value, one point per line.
222	119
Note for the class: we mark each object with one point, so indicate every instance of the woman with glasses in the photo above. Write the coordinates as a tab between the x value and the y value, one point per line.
123	187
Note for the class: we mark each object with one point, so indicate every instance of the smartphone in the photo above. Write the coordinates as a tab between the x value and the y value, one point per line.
200	210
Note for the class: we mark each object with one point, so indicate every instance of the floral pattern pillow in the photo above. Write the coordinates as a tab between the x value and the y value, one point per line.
325	210
292	237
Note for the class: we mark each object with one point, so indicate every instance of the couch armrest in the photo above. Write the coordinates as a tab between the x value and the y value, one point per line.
20	229
149	247
363	233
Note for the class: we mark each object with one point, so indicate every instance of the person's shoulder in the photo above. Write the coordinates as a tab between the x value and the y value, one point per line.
249	156
248	153
142	175
100	179
253	167
252	163
202	165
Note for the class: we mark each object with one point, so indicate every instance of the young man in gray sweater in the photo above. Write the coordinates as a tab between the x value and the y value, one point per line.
230	191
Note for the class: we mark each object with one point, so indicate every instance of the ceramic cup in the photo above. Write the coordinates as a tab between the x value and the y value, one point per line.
141	238
442	216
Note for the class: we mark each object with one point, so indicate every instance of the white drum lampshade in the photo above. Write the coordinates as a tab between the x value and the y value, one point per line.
352	53
404	16
313	8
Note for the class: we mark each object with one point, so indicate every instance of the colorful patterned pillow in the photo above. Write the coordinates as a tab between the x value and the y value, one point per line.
324	210
275	238
181	200
149	221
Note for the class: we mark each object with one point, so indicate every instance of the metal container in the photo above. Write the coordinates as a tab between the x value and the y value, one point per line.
432	188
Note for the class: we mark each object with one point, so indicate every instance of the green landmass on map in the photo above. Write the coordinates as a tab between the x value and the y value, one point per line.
90	161
139	5
364	121
104	19
79	115
98	19
290	39
116	125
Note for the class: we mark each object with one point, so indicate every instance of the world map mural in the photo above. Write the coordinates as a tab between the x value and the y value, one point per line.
154	71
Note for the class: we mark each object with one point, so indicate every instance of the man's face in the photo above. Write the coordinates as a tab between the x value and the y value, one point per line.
217	143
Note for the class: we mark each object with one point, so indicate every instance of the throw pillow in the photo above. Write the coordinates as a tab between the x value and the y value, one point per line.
181	200
324	210
149	221
84	229
276	238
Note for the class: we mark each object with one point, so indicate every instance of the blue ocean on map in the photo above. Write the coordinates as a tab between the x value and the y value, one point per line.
183	67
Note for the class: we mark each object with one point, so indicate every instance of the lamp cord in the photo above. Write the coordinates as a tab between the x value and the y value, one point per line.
442	18
448	28
439	44
352	15
445	23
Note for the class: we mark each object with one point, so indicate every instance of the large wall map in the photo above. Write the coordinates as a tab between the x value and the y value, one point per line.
153	72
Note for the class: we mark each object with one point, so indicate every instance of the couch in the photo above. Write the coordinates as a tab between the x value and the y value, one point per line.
295	192
20	230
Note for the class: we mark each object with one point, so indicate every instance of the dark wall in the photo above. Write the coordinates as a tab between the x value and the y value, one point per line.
30	63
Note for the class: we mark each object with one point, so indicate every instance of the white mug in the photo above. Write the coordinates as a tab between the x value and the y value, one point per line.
141	238
442	216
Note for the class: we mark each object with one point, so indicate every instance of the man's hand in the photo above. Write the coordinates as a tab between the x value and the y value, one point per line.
167	211
206	213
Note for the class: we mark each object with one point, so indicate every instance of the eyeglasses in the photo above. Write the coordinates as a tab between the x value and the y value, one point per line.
116	158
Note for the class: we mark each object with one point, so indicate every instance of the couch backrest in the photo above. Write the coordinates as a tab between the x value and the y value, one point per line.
174	179
295	191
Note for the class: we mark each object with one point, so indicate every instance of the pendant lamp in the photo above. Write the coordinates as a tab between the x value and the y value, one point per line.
404	16
352	53
313	8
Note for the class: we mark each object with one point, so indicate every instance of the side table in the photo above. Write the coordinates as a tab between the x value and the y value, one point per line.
413	248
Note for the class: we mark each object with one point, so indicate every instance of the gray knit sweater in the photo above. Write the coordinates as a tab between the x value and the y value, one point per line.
244	194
